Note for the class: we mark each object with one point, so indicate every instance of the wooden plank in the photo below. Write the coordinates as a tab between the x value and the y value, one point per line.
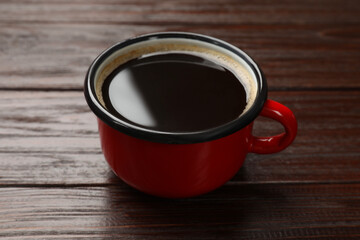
51	138
184	12
48	169
57	56
270	211
298	45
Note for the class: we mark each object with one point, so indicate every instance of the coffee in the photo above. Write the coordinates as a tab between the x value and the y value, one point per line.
174	92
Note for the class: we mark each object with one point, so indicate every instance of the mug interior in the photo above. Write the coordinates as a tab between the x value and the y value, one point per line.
217	50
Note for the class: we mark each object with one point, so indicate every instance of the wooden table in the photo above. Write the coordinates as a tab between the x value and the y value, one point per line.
55	183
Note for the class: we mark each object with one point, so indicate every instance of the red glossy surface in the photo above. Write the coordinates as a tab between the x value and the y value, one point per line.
273	144
184	170
174	170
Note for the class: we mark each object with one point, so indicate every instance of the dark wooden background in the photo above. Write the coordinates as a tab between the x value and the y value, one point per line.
55	183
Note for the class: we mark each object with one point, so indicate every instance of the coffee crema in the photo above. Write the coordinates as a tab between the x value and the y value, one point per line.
174	92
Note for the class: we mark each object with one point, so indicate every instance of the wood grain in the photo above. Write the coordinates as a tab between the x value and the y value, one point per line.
298	45
182	12
49	169
55	183
272	211
51	138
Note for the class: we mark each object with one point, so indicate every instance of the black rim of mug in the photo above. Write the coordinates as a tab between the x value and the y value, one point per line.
175	137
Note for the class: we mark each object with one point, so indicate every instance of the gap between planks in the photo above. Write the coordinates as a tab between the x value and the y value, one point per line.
229	183
270	89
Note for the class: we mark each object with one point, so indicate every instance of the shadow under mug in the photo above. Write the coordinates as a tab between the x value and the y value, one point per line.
176	165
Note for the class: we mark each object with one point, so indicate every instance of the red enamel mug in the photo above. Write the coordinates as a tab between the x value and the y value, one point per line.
186	164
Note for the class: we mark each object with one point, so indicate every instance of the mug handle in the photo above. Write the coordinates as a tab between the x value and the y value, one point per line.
273	144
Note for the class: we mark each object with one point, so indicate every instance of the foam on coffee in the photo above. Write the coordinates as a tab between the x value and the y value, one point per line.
216	54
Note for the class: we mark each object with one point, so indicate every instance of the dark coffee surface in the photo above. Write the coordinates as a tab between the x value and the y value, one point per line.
174	92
